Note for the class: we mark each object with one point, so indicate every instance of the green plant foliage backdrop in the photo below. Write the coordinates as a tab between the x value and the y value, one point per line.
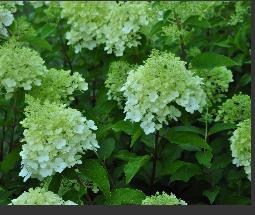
113	103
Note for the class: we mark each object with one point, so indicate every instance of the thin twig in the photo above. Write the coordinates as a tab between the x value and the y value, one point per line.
3	135
155	157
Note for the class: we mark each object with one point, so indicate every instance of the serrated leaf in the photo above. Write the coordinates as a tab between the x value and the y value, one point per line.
187	140
93	170
126	196
106	148
210	60
219	127
134	165
204	158
211	194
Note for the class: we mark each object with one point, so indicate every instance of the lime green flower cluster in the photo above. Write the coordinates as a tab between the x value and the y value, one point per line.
154	90
216	83
163	199
116	78
20	67
235	109
40	196
242	9
59	85
116	25
55	137
23	29
241	146
180	11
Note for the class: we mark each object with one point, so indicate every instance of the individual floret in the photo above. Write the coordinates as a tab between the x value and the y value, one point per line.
55	138
40	196
20	67
163	199
241	146
154	91
59	85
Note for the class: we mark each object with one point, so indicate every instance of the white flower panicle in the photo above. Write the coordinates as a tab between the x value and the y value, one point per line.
59	85
163	199
20	67
241	146
116	78
155	90
40	196
115	25
55	138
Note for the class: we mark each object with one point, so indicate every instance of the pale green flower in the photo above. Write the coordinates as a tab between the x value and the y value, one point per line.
115	25
59	85
154	91
20	67
163	199
40	196
235	109
216	83
55	138
116	77
241	146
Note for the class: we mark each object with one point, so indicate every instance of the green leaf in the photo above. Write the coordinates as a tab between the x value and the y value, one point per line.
10	161
125	126
198	22
219	127
211	194
93	170
138	133
244	80
189	128
106	148
222	161
133	166
210	60
124	155
126	196
46	30
187	140
4	196
55	183
182	171
204	158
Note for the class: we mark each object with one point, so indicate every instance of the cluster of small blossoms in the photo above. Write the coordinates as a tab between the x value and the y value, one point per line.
163	199
241	146
116	78
55	137
216	83
20	67
40	196
235	109
154	90
242	9
116	25
37	4
59	85
6	19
